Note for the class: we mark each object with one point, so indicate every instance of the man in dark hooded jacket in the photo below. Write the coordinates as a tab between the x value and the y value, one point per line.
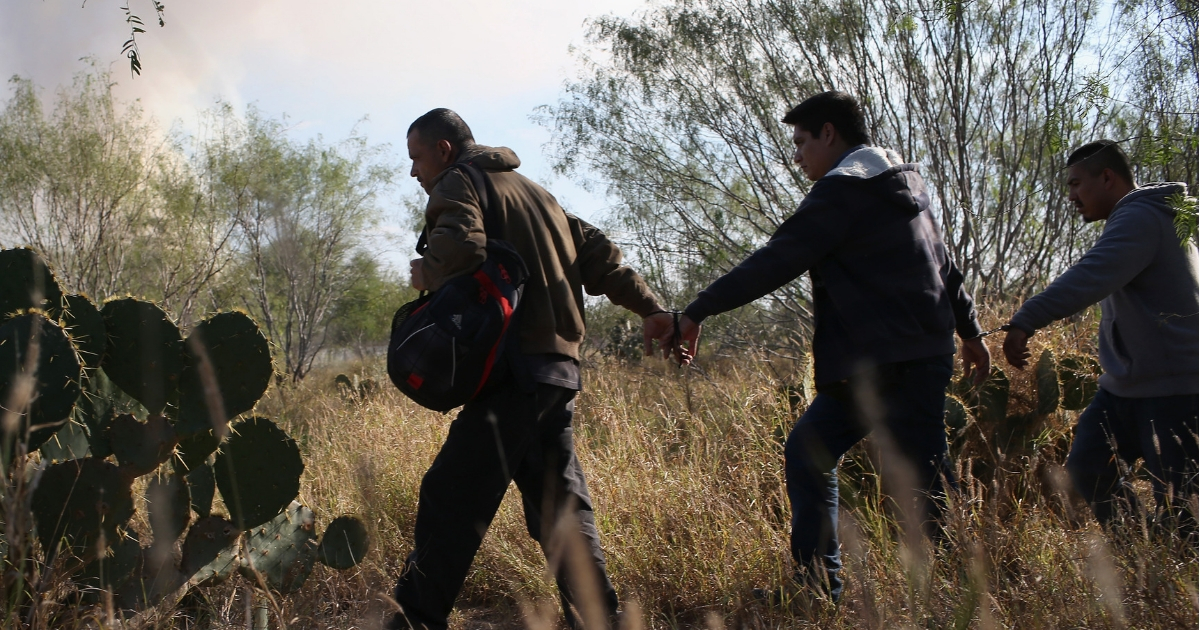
887	302
1146	281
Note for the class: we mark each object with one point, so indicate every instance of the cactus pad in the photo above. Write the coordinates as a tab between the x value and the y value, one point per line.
194	448
81	500
955	414
1016	432
258	472
1078	375
282	551
69	442
23	276
169	502
210	551
141	447
231	345
56	385
85	326
98	407
344	543
993	398
202	482
144	352
1048	391
124	557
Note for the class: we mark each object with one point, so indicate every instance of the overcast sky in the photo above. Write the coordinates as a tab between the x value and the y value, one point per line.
326	64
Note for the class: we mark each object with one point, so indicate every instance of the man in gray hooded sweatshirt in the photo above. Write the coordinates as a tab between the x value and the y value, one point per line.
1146	283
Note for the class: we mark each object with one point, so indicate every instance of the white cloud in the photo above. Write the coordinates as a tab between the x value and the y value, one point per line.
326	64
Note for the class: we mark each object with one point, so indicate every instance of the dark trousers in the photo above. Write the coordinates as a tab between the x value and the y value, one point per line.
904	399
506	435
1114	431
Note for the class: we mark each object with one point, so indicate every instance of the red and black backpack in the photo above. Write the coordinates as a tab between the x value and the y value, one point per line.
445	345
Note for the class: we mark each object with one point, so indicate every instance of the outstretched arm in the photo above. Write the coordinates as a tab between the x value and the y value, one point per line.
799	243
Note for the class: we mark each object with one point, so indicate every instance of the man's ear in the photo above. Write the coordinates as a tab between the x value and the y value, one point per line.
445	150
828	134
1108	178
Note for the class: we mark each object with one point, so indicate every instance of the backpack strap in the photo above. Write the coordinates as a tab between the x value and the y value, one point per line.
483	191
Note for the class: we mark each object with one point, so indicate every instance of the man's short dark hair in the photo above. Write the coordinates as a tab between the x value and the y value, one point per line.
838	108
443	124
1101	154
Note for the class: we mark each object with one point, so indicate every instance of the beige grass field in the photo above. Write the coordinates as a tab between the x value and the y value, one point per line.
686	473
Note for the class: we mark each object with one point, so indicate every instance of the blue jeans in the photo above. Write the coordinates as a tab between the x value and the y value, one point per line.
1113	432
906	400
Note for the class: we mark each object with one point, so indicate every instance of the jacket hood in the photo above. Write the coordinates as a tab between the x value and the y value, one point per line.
1154	195
491	158
886	173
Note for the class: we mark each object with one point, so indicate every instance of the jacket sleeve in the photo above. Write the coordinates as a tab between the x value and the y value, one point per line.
602	273
966	321
454	227
799	243
1127	245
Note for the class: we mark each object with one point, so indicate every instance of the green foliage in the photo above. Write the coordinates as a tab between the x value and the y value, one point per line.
362	316
1185	217
678	123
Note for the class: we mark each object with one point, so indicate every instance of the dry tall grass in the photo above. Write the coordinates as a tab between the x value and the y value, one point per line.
685	469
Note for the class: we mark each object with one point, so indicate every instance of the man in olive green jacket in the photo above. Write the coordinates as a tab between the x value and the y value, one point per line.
519	429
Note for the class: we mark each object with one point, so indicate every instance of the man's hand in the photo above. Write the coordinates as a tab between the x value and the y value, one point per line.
658	327
689	340
416	272
975	354
1016	348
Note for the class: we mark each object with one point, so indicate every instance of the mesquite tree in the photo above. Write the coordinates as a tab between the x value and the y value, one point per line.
677	120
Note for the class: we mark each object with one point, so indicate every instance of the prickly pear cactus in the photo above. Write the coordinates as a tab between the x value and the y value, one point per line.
149	397
281	553
1048	390
144	355
44	396
141	447
202	482
210	551
991	399
228	369
25	283
258	472
955	414
1079	381
111	570
80	502
344	543
85	325
169	502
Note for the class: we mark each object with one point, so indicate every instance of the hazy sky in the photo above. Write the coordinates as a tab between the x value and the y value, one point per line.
326	64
